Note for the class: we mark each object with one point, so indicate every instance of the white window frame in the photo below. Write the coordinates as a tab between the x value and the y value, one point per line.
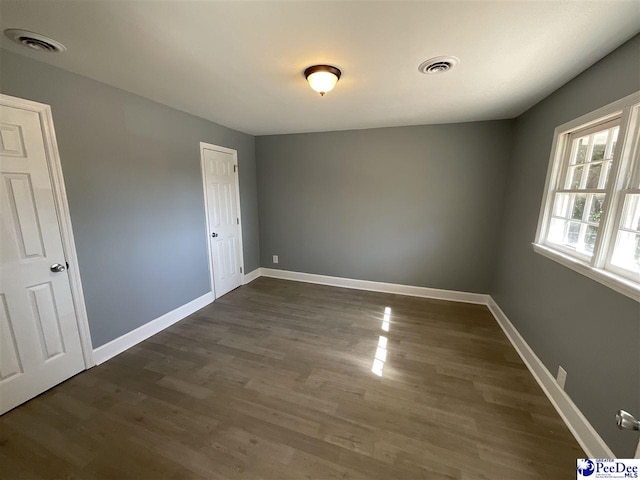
624	173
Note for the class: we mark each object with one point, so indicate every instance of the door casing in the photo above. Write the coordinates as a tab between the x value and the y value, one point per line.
64	218
234	153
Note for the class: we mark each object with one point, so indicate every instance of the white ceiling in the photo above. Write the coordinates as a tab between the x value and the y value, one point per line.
240	63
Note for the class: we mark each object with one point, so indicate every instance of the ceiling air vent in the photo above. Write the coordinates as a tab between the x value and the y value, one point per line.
437	65
34	41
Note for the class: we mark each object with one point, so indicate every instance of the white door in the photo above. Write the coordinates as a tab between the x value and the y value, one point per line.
220	174
39	339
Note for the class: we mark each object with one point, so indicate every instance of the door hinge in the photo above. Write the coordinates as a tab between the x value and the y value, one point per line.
240	269
235	168
238	221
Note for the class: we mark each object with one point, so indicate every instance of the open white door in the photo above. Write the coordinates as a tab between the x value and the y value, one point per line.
224	225
40	339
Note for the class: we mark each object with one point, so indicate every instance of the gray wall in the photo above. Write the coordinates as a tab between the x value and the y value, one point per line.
568	319
410	205
132	173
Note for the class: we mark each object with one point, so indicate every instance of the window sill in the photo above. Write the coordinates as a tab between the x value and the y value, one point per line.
616	282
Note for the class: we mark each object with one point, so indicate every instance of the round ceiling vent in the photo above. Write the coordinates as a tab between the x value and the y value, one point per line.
437	65
34	41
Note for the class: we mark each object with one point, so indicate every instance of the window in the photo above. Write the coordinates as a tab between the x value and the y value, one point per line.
590	216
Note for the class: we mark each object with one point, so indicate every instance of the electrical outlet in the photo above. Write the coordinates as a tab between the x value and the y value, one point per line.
275	259
562	377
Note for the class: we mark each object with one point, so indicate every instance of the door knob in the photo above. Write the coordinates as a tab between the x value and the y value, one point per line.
56	267
214	235
626	421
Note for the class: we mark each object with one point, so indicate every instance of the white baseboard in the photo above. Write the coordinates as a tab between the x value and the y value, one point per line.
396	288
593	445
251	276
128	340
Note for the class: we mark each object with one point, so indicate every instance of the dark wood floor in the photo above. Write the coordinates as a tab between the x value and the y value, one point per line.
275	381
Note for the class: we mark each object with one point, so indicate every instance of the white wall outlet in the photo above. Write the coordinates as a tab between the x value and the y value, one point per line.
562	377
275	259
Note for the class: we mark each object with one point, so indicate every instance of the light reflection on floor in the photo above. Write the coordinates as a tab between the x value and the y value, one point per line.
381	351
385	320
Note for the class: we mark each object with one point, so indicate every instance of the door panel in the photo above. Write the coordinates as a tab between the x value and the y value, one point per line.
47	321
39	337
22	204
9	360
223	211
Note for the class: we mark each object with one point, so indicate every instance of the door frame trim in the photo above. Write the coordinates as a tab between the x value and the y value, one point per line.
209	146
64	218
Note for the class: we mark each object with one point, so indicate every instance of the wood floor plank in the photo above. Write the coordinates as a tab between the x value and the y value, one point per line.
278	380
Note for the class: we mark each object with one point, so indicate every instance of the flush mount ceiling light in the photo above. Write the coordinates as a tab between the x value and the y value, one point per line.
322	78
436	65
34	41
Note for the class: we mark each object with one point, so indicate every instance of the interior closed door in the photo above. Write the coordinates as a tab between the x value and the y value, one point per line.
221	182
39	338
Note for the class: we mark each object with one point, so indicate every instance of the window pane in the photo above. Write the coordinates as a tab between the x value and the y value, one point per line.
596	208
599	146
590	238
631	213
578	207
576	236
593	176
581	145
575	175
573	233
627	251
561	205
556	231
